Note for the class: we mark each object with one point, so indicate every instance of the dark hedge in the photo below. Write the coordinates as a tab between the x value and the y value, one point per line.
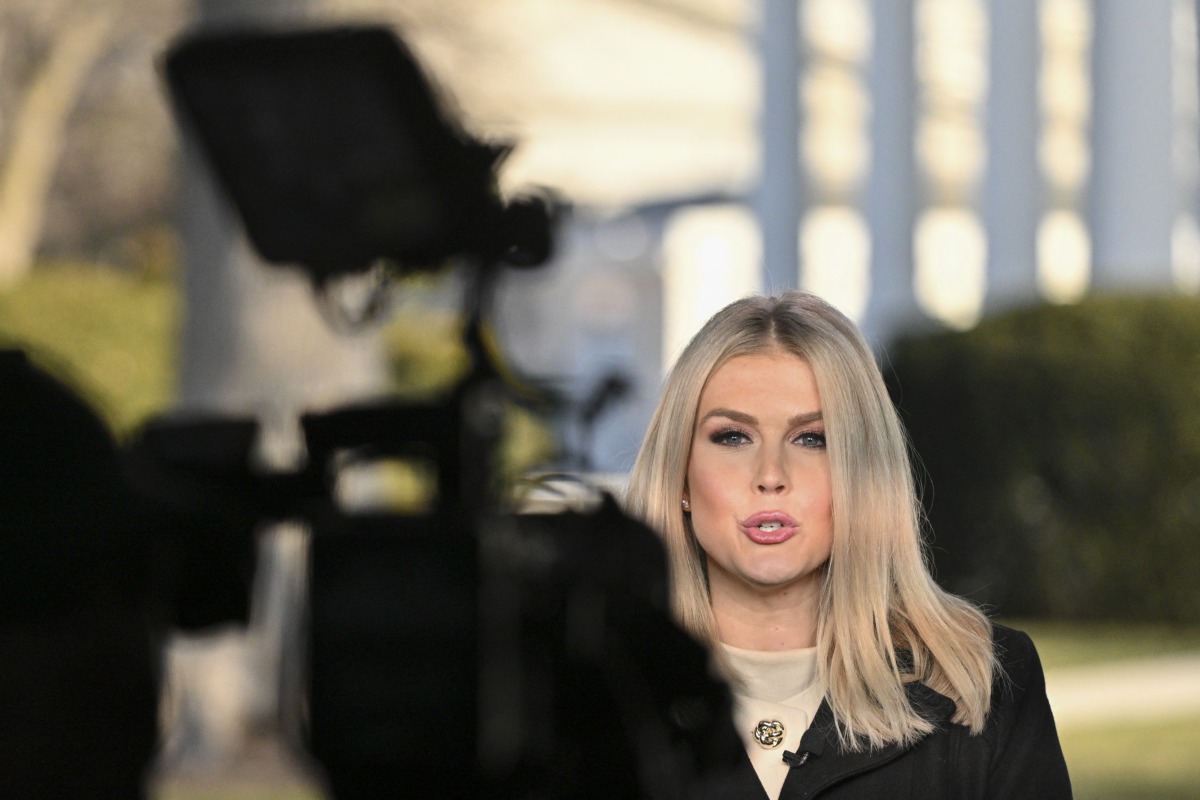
1060	449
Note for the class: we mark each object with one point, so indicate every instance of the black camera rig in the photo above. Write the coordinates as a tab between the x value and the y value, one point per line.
468	651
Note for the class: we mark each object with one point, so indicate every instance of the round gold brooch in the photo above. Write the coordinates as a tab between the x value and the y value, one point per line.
769	733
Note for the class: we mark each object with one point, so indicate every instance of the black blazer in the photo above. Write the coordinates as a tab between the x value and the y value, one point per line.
1016	756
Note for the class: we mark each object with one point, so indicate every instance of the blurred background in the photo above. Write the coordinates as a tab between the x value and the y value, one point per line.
1004	195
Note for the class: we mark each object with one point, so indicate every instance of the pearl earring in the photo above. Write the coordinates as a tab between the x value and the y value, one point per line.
686	505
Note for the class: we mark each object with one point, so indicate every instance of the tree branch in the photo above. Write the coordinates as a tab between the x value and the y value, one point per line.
39	130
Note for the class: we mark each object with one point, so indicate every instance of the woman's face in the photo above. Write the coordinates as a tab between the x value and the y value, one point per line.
758	476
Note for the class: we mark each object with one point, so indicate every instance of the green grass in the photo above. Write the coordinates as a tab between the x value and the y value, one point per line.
1135	761
1072	644
1130	761
108	334
231	792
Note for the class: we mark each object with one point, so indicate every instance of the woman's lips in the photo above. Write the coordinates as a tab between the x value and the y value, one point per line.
769	527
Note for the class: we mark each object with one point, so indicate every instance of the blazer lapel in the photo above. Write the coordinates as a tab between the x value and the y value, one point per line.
820	760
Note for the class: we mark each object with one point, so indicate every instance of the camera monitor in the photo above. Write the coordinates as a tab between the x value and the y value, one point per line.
335	152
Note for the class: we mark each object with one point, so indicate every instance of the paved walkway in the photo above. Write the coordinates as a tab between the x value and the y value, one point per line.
1126	691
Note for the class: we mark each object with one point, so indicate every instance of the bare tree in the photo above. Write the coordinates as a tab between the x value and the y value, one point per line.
86	151
79	36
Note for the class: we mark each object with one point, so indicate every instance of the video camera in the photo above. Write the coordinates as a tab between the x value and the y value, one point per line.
468	651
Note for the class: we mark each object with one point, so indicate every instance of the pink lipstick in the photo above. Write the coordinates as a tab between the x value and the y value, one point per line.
769	527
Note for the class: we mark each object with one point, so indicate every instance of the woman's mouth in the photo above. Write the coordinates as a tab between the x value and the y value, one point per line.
769	527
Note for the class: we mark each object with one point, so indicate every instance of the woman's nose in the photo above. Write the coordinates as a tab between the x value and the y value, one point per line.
772	475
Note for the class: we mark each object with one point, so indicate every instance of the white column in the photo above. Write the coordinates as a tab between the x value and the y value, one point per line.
1132	195
891	183
778	198
1012	199
1185	244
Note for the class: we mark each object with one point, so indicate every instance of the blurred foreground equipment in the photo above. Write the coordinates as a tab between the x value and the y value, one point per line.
465	651
337	155
78	607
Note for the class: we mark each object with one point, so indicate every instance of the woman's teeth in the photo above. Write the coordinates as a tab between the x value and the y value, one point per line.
767	527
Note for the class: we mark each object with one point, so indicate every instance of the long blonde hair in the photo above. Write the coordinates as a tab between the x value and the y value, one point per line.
878	596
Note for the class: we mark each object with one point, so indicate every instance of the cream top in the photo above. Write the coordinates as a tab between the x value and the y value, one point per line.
782	686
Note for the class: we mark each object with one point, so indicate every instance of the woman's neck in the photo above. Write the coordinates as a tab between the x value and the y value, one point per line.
780	619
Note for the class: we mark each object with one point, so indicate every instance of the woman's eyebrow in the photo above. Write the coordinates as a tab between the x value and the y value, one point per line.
805	419
729	413
747	419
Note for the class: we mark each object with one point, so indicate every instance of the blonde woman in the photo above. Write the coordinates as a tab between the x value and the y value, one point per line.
776	470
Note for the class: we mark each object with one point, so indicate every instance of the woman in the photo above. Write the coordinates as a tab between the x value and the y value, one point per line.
776	470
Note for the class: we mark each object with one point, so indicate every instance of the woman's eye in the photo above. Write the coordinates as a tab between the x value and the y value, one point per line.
813	439
729	437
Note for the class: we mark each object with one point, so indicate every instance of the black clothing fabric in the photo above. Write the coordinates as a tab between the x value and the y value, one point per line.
1017	755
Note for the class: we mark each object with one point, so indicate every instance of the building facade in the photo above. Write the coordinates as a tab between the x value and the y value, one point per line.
953	159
